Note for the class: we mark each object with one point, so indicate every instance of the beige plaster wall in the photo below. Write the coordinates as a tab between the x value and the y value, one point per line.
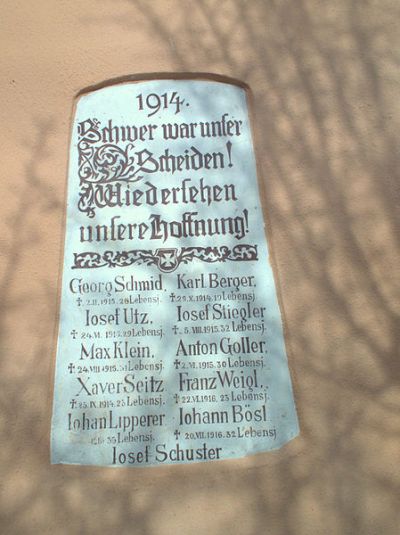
326	97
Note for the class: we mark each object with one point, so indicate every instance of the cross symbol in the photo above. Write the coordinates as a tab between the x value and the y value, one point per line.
79	301
176	362
74	333
172	296
71	367
175	329
167	260
177	434
176	396
72	403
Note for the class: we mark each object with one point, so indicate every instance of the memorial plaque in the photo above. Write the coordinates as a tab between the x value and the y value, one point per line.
170	346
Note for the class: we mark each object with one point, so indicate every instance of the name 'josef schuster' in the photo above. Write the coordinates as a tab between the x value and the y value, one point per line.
162	454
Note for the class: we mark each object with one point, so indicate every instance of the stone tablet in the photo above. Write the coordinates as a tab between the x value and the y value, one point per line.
170	345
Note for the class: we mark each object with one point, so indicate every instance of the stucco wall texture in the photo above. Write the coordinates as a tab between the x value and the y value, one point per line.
325	84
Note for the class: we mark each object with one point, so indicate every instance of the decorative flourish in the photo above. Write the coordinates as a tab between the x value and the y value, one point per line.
166	260
99	164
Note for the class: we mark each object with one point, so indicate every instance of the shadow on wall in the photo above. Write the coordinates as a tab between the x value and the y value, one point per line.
326	144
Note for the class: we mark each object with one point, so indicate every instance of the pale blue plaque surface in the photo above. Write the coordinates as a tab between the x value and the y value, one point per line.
170	346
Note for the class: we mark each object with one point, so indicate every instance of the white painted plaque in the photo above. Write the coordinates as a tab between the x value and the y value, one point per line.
170	346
